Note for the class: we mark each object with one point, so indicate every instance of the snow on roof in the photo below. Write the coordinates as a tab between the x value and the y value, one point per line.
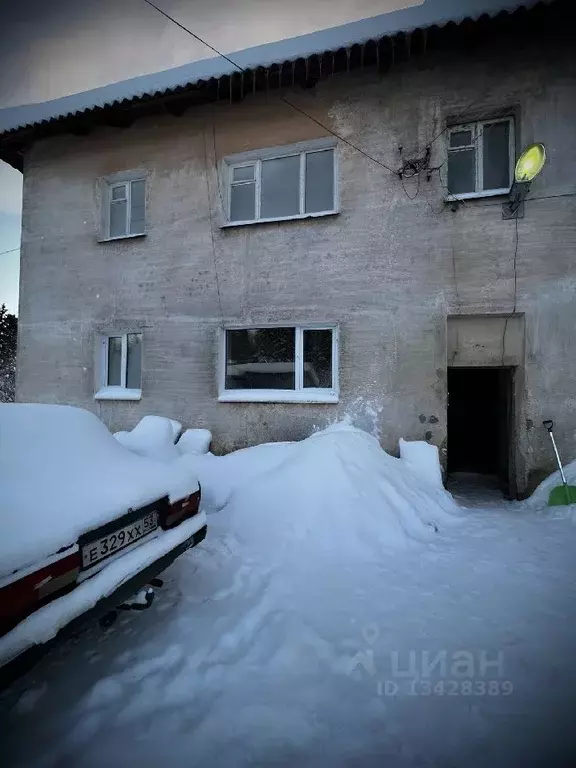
429	13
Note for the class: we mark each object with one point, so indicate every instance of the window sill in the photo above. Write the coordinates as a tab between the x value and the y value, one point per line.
120	237
299	217
478	195
277	396
118	393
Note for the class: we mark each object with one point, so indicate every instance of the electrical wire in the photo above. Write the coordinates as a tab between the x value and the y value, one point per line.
11	250
415	195
338	136
282	98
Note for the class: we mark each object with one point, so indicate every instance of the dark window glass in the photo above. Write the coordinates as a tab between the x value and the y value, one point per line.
244	173
243	202
260	358
496	140
138	207
320	181
280	187
318	359
134	361
115	361
118	210
461	171
461	138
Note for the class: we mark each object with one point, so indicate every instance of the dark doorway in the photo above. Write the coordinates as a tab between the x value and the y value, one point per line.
480	422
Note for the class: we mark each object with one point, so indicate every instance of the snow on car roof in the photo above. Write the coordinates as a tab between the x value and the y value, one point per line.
63	474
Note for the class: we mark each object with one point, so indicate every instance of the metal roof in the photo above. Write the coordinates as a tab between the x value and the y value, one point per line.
429	13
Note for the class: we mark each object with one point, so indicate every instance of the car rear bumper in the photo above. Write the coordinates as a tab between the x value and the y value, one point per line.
19	652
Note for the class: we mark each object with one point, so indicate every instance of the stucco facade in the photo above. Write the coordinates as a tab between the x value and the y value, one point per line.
391	271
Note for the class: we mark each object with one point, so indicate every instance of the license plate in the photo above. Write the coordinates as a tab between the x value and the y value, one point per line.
102	548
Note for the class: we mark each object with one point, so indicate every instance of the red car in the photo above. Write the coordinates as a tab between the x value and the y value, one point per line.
84	523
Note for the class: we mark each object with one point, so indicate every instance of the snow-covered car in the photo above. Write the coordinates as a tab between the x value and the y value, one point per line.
84	522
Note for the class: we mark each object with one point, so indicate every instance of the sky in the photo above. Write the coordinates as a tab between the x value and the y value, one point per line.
56	48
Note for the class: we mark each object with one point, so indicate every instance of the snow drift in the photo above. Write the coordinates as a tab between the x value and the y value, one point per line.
336	486
540	496
153	437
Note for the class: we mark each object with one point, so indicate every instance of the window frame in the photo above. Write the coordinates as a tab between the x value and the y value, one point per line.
108	391
477	128
114	181
256	158
299	394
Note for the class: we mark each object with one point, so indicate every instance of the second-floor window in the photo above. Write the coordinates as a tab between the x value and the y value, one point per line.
124	203
481	158
285	183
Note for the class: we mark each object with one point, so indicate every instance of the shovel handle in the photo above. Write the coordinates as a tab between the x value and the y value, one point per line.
548	425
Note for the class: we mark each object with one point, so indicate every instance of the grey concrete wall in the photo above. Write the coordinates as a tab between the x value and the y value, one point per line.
388	269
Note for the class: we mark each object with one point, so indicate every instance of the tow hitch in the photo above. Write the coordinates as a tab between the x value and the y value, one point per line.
139	602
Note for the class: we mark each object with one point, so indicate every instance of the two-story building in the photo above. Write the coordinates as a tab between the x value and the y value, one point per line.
313	229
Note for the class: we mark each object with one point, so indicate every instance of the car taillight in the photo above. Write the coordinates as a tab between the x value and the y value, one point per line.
181	510
21	597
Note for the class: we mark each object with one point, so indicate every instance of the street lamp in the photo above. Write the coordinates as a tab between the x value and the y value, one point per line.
529	165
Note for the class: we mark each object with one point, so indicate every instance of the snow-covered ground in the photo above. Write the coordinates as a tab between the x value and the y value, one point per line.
343	611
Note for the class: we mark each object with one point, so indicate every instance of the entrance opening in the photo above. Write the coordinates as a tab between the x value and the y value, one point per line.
480	420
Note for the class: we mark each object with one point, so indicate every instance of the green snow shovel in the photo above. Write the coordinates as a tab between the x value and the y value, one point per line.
563	494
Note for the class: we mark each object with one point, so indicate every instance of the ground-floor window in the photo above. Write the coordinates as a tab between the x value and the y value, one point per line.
280	363
120	367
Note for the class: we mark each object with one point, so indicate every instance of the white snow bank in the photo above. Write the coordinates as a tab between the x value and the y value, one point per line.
153	437
220	476
423	459
336	486
44	624
196	441
63	474
540	496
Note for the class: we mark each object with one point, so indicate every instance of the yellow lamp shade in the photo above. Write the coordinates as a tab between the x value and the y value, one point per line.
530	162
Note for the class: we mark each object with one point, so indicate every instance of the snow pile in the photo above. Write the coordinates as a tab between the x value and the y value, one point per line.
540	496
423	459
337	486
195	441
153	437
63	474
